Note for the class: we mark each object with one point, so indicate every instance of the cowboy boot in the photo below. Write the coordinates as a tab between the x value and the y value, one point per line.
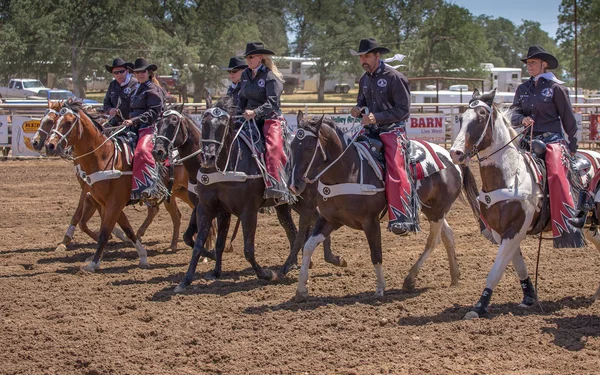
584	205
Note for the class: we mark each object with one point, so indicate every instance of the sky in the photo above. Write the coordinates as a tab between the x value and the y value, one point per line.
543	11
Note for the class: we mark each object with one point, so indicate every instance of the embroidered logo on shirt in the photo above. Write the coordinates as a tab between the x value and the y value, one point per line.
382	83
127	90
547	92
261	83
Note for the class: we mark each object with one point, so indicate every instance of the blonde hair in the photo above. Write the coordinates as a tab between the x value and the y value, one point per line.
268	62
154	80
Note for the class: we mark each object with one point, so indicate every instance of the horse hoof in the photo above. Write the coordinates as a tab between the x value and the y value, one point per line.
342	263
596	297
471	315
379	293
61	247
90	267
179	288
301	296
228	248
144	265
409	284
270	275
211	276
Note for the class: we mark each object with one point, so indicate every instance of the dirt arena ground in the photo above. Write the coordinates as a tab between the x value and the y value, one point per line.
55	319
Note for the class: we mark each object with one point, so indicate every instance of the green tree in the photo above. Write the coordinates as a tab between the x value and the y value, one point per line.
503	40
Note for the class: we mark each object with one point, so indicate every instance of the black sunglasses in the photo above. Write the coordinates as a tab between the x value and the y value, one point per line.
118	71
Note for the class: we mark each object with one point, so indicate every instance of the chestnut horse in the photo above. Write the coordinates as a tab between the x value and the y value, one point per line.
87	206
176	130
511	197
98	156
319	145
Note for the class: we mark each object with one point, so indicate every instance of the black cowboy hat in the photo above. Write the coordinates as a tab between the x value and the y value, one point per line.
117	63
537	52
141	64
257	48
368	45
236	63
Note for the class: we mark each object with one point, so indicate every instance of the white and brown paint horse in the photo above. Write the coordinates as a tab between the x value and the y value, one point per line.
319	150
512	199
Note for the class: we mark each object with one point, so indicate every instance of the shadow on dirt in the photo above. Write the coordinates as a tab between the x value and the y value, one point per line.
572	333
313	303
457	312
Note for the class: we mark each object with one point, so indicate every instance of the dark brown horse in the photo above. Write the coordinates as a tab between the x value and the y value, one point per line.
98	156
87	206
175	130
318	146
242	198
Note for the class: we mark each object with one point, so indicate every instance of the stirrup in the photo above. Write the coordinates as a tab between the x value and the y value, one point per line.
402	228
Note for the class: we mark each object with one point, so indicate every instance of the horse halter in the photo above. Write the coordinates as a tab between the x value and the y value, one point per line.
301	134
216	112
64	111
475	104
48	112
179	121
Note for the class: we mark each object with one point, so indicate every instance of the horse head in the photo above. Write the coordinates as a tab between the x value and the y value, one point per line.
69	127
216	125
476	128
307	152
46	124
171	132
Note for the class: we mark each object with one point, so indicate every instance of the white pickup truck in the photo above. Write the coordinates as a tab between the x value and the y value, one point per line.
21	88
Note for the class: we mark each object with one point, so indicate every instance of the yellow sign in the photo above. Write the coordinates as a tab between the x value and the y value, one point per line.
30	126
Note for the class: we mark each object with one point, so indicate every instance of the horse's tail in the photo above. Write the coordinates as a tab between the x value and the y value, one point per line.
470	194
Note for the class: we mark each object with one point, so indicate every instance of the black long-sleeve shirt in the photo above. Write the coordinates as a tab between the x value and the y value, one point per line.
116	91
547	102
261	93
146	104
234	92
386	93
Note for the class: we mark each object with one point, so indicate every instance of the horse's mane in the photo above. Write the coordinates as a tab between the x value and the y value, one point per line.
78	106
327	120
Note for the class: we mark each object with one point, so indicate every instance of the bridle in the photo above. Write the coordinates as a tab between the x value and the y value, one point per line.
300	135
63	137
48	112
216	112
171	141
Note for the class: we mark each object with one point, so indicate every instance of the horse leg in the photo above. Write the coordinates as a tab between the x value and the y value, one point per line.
90	206
173	210
373	232
529	296
109	219
330	257
304	224
188	235
152	212
128	229
68	237
435	228
204	219
322	230
506	252
249	221
596	296
450	245
284	214
223	220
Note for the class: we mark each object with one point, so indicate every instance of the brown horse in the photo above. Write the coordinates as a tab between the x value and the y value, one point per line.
99	158
235	193
175	130
316	146
87	206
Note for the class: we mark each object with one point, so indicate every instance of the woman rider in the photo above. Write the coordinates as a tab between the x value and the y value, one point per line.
146	105
261	88
543	103
234	69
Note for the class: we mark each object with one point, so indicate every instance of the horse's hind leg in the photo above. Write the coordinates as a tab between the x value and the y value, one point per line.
173	210
450	245
322	230
435	229
152	212
109	219
128	229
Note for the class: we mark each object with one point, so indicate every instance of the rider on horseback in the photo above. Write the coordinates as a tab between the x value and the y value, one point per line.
119	91
146	105
386	93
543	103
261	88
235	69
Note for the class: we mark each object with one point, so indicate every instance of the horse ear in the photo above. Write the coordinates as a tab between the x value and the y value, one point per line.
300	117
475	94
319	123
180	108
208	99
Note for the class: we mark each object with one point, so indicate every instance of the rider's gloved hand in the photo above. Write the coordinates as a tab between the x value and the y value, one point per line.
355	112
